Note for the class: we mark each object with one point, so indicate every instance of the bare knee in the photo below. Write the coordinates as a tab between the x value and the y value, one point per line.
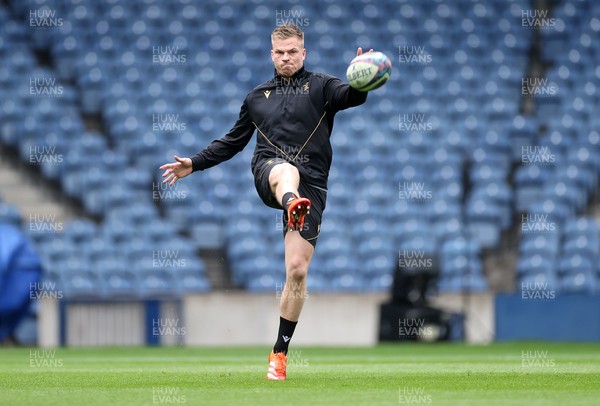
297	269
282	172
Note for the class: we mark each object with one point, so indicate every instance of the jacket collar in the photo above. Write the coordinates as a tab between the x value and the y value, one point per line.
298	74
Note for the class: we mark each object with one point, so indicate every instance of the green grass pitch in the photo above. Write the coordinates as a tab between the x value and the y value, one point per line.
523	373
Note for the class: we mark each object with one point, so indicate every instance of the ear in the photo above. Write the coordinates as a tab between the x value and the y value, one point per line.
303	53
272	56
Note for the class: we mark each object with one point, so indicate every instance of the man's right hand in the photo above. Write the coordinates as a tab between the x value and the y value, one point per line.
176	170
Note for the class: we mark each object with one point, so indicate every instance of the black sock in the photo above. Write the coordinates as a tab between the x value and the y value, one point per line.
286	330
287	197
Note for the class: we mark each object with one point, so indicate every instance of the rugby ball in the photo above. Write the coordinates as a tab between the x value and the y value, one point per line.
369	71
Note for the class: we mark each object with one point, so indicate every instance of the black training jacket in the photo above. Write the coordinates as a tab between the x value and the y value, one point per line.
293	119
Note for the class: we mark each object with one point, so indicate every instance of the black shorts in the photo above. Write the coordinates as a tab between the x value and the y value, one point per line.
317	197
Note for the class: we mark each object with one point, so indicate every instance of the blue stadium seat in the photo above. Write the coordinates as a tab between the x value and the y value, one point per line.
155	283
120	283
261	283
535	264
545	245
347	282
193	281
529	184
584	245
80	231
81	284
579	281
575	262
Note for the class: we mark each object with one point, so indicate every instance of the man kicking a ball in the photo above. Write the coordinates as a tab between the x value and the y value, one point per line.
294	111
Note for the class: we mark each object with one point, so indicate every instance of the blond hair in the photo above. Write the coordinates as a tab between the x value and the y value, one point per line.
286	31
